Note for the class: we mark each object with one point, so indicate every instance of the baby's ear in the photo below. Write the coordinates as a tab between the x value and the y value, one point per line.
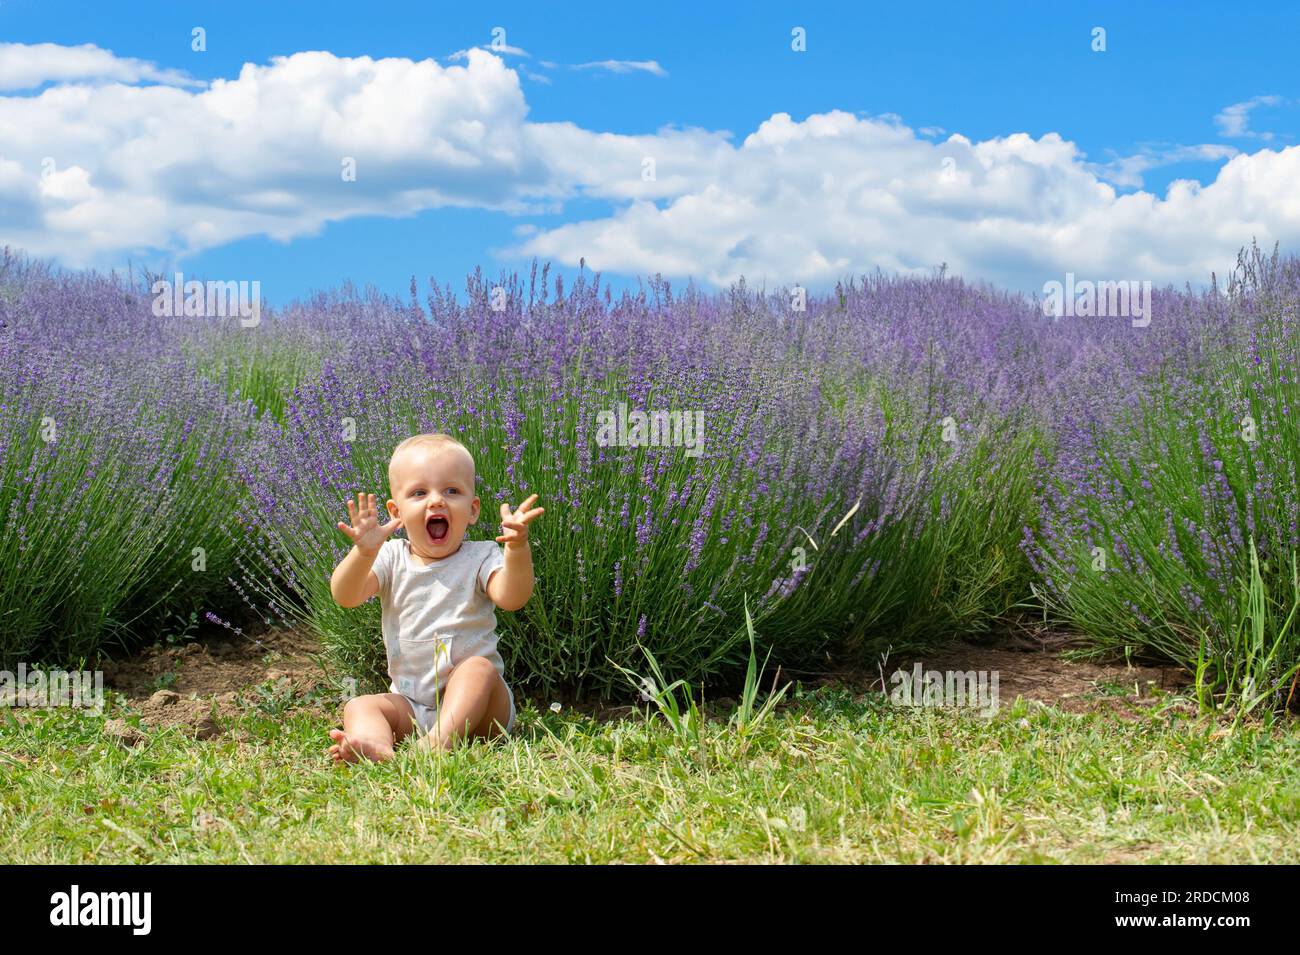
473	514
391	507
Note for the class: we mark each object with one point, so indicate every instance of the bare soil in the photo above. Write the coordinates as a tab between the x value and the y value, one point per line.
1073	686
199	686
1032	662
187	686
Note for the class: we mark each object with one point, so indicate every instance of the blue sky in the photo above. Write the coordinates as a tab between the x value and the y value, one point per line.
1168	70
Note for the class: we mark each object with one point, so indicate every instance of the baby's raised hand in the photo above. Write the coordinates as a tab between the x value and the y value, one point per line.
366	531
514	524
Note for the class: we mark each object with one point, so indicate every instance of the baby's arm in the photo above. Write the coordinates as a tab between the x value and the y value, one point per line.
512	585
353	582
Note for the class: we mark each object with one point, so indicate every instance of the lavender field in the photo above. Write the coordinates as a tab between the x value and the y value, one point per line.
899	464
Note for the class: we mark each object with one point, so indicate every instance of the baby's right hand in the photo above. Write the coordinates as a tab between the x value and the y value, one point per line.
366	531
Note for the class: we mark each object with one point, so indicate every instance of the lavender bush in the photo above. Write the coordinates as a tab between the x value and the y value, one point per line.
1175	529
648	544
900	461
117	466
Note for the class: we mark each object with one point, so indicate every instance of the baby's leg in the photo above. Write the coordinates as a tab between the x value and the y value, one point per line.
372	726
474	701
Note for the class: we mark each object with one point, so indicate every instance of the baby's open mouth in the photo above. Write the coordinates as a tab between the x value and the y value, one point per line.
437	528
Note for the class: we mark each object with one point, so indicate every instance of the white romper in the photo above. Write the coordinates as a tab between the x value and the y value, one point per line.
435	616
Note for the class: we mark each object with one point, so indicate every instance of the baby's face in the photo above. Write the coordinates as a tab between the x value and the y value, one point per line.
433	494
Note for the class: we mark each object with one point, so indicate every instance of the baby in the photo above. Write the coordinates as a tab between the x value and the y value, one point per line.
437	592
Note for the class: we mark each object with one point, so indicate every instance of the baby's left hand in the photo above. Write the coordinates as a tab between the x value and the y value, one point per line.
514	524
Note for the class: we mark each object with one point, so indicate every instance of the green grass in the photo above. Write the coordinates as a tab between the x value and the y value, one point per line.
826	777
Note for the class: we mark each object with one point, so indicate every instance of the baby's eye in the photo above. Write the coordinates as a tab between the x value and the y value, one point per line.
452	490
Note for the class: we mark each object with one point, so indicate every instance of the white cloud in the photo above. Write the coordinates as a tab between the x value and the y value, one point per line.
1126	171
833	195
502	49
27	66
138	169
161	168
1234	121
624	66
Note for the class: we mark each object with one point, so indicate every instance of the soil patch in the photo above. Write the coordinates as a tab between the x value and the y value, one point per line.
215	667
197	686
1032	664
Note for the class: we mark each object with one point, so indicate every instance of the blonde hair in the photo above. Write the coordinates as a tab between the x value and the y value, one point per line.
431	441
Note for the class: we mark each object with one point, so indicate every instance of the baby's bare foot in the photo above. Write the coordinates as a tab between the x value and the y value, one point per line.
432	741
351	749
